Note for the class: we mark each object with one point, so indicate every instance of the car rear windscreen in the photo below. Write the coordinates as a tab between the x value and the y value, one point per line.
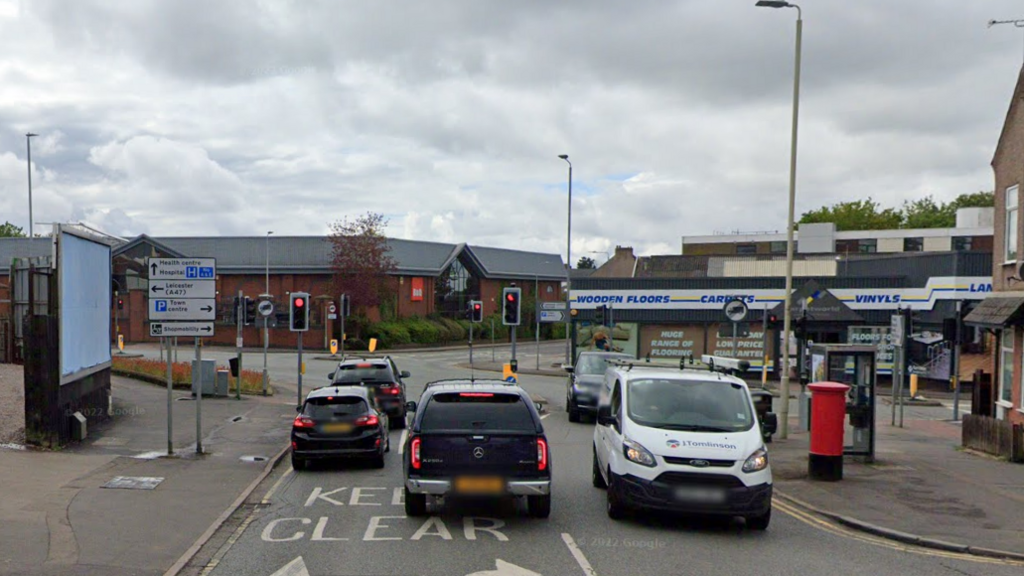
363	372
325	407
476	411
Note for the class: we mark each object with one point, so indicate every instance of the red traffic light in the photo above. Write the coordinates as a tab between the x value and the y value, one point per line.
299	302
476	306
511	297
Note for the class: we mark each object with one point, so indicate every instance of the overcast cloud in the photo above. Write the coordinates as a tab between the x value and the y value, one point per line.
234	117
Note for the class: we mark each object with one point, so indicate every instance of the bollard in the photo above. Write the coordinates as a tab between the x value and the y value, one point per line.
913	386
828	415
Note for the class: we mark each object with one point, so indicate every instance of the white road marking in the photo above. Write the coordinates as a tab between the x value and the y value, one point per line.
375	525
267	535
401	441
502	568
469	528
578	555
545	416
294	568
318	532
319	494
357	494
273	489
441	531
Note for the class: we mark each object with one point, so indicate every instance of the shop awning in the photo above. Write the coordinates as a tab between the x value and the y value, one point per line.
997	312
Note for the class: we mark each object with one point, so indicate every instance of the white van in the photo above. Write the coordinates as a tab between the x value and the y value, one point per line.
681	440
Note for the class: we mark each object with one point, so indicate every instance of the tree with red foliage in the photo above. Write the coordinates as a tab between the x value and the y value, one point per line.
361	259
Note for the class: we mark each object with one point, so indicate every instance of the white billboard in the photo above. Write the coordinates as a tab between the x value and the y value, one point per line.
84	304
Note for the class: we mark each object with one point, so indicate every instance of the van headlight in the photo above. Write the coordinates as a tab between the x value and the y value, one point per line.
635	452
757	461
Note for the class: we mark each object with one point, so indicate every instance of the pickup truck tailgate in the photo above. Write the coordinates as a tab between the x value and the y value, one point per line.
506	455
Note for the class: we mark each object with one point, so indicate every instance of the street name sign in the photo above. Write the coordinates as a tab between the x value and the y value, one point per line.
182	289
182	309
195	329
552	305
182	268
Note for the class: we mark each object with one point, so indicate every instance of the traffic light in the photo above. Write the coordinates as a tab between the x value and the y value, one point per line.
234	310
476	311
120	303
800	328
250	311
600	315
346	306
510	298
298	312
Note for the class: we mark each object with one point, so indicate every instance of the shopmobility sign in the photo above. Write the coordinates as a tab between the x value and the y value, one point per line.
938	288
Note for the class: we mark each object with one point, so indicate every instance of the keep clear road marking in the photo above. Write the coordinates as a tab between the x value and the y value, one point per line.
294	568
578	555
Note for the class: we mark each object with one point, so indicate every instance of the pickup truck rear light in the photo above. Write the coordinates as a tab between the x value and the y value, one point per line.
390	390
414	453
368	420
542	454
303	422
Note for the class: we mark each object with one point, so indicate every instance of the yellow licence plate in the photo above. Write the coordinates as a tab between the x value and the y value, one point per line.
479	485
337	427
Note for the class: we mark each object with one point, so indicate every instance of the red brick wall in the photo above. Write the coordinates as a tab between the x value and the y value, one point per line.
406	305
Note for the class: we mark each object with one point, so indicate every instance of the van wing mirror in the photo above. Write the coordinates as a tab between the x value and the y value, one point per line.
604	416
568	368
330	376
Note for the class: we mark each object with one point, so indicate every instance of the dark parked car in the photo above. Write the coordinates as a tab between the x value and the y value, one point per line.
339	422
476	439
381	376
584	383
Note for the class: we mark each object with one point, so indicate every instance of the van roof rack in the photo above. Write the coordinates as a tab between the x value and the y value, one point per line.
719	364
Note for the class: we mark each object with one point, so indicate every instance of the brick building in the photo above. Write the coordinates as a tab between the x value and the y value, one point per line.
1003	311
430	278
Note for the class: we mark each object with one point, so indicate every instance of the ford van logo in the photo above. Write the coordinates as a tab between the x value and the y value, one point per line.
700	463
478	452
672	444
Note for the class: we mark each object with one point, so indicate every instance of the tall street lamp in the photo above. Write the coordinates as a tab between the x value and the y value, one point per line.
790	224
28	146
568	267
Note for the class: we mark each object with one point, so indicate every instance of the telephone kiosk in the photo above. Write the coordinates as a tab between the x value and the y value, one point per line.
853	365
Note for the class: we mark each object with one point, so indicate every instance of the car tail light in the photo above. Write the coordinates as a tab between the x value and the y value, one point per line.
303	422
542	454
476	394
414	453
391	390
368	420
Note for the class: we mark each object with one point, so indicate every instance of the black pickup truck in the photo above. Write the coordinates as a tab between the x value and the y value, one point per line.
476	439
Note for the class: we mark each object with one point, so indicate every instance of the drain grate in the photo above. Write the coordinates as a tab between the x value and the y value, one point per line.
253	458
134	482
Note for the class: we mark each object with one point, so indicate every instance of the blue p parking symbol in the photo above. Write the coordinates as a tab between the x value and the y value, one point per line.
161	305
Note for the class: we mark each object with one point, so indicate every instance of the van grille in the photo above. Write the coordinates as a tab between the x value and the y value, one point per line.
696	479
689	462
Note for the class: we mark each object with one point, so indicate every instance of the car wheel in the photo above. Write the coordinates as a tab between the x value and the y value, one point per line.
415	504
574	412
596	477
298	463
616	508
539	506
760	522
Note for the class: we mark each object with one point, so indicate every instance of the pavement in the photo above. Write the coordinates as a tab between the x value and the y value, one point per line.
56	516
922	489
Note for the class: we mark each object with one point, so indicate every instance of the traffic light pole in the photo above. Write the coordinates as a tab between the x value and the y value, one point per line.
300	370
471	344
241	318
198	383
955	371
170	400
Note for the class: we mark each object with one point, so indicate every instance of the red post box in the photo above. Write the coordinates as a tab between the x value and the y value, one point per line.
828	414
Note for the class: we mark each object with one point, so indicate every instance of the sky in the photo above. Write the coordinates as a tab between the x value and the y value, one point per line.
237	117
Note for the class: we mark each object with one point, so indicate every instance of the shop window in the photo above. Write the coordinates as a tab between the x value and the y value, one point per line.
962	243
777	247
915	244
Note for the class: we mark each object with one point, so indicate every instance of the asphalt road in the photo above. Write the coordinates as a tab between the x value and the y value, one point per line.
349	520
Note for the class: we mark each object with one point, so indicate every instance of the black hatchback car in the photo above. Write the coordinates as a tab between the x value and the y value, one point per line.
339	422
476	439
584	383
381	376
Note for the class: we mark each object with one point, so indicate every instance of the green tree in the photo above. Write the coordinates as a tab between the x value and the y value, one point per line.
8	230
855	215
975	200
926	213
585	263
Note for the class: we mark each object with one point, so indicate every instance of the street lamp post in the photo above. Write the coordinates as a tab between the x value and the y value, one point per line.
568	268
266	325
28	147
790	224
